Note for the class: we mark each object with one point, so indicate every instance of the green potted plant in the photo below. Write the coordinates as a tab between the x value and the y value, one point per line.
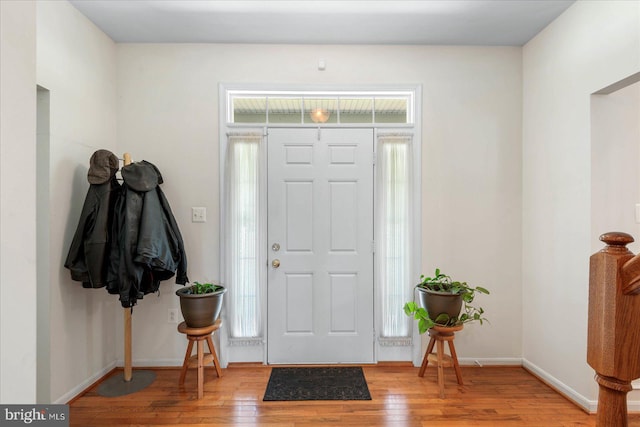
441	302
201	303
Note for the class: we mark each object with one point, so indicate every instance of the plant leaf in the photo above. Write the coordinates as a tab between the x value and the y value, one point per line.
442	319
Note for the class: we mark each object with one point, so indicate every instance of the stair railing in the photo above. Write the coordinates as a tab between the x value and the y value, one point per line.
613	337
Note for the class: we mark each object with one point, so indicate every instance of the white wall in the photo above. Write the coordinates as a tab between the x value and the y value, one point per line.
168	115
76	63
615	176
615	156
17	202
592	45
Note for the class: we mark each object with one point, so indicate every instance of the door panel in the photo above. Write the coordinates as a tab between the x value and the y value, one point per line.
299	216
320	213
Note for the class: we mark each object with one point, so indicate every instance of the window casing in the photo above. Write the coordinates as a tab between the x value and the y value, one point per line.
392	342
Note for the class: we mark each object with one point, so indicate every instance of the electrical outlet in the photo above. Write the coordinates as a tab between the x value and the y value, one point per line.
173	315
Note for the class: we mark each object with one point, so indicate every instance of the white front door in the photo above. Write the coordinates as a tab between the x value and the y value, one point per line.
320	231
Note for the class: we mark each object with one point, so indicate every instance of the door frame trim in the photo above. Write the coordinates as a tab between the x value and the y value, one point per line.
254	350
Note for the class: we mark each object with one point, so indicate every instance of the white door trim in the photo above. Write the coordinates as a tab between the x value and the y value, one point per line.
254	350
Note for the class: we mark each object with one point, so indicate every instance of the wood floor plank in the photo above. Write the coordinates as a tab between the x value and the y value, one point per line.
490	396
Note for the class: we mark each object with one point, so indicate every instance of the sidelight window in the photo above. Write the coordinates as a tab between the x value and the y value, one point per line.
395	209
242	212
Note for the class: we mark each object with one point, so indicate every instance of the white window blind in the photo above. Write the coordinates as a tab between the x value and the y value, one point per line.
242	219
395	207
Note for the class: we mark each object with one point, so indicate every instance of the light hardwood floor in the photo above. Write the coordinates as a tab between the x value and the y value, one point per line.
490	396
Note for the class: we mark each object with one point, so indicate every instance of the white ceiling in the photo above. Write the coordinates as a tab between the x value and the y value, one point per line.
437	22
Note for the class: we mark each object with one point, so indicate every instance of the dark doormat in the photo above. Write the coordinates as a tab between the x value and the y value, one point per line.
317	384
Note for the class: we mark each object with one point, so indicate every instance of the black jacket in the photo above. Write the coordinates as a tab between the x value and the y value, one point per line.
89	252
88	255
147	246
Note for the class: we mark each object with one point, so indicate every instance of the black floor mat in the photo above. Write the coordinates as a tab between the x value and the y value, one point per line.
322	383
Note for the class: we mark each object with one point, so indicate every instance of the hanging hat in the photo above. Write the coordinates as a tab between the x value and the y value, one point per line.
141	176
103	165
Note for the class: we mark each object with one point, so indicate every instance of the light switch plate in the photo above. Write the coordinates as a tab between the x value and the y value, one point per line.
199	214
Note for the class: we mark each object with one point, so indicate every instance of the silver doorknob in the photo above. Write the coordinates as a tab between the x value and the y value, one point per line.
275	263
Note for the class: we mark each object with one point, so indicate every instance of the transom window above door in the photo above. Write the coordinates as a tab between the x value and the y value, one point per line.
309	108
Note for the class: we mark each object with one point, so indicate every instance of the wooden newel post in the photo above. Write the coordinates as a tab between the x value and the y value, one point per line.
613	340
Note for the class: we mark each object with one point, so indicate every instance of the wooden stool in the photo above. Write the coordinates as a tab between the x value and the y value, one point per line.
199	335
440	334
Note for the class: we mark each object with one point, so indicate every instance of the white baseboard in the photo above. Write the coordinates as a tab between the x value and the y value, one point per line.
591	406
62	400
152	363
588	405
464	361
494	361
146	363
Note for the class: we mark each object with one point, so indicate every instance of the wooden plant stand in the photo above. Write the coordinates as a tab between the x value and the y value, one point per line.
201	359
440	334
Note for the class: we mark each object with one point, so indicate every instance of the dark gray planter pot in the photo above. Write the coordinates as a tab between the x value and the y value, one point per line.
440	302
200	310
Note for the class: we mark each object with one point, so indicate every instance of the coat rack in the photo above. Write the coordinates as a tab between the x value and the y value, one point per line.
127	383
128	371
